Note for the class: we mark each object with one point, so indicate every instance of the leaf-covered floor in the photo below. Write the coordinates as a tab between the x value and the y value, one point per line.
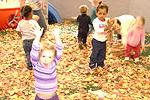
120	81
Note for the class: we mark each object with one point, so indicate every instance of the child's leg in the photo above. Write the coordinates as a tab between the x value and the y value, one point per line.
128	50
137	51
27	45
84	39
80	40
95	50
101	54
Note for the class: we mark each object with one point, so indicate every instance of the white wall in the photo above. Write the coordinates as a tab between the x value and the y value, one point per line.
69	8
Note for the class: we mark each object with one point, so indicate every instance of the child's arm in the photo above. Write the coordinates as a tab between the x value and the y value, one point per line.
59	47
143	41
34	54
18	30
19	33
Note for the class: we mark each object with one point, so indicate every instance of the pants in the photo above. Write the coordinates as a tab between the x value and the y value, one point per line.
41	21
27	45
82	38
98	53
135	49
55	97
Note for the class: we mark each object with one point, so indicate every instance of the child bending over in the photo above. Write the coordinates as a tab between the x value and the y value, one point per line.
136	39
44	58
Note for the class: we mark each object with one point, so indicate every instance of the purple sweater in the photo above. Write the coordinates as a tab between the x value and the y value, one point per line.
45	78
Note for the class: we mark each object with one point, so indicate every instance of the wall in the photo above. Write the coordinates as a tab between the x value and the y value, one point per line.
69	8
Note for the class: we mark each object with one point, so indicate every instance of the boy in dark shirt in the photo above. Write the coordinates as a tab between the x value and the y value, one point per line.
83	28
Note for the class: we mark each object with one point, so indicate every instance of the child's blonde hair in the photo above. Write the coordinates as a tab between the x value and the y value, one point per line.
47	46
142	19
83	9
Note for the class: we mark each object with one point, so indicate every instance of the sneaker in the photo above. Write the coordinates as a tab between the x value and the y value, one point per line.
80	46
85	44
92	66
29	67
101	65
137	60
126	58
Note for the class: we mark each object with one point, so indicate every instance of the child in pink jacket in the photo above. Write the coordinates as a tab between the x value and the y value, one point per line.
136	39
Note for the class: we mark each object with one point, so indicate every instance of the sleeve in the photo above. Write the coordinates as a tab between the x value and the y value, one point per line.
78	19
59	49
129	34
18	27
90	22
35	25
143	38
34	54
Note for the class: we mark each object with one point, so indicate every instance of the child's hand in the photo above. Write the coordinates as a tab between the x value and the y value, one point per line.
56	31
38	32
143	48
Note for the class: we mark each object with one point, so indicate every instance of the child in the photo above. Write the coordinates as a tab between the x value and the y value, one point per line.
135	39
117	29
24	27
37	10
44	58
99	39
126	22
83	27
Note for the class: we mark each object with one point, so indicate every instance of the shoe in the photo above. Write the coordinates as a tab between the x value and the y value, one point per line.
137	60
101	65
29	67
126	58
92	66
80	46
85	44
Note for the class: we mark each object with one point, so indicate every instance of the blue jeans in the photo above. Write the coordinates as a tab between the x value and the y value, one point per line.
27	45
98	53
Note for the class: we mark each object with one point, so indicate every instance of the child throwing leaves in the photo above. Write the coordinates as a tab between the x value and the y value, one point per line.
44	58
98	54
136	39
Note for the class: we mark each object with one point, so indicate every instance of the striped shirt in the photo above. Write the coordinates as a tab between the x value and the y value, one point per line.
45	78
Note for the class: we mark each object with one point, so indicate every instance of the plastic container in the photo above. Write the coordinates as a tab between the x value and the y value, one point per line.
6	14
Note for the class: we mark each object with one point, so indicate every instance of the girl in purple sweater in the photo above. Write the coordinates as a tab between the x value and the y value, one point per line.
44	58
136	39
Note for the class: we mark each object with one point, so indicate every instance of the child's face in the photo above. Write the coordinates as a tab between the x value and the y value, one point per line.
101	14
117	27
47	57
